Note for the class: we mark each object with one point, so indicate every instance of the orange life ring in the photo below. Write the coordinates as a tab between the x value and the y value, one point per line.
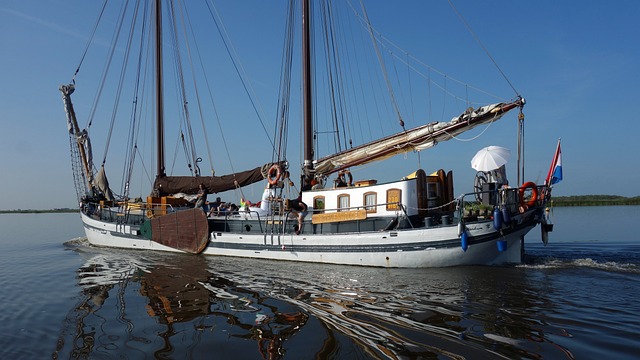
534	193
274	174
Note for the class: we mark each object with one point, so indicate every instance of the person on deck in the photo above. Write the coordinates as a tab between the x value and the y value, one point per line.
499	176
213	207
223	209
306	186
344	179
201	199
299	208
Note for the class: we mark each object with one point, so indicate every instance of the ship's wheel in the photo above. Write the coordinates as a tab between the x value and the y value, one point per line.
480	179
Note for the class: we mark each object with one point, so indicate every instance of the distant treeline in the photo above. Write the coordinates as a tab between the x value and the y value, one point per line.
594	200
31	211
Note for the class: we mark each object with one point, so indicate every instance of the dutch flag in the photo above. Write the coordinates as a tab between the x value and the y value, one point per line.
555	171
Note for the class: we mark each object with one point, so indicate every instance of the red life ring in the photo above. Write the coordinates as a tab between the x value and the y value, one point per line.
534	194
274	174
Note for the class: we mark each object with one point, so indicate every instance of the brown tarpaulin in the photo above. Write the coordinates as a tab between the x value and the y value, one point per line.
214	184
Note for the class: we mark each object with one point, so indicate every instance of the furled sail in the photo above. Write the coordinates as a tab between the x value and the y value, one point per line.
214	184
416	139
102	184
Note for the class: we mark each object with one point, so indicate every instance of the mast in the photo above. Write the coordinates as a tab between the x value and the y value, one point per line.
74	129
159	91
521	145
306	92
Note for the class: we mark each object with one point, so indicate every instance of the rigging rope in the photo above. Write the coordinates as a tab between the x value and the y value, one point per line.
236	64
332	73
285	86
483	47
131	149
190	149
89	41
473	138
120	85
382	40
384	70
197	93
102	82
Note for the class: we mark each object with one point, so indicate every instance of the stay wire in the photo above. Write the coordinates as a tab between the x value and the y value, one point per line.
236	64
89	41
188	144
342	83
383	41
114	41
226	40
123	72
284	99
132	140
332	68
382	66
185	15
464	21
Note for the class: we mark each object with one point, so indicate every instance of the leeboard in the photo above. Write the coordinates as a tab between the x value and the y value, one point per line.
186	230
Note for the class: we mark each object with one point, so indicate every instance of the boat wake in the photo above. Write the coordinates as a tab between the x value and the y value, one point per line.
76	242
557	263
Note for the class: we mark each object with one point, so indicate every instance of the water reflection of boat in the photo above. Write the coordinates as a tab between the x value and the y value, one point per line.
168	304
191	308
466	312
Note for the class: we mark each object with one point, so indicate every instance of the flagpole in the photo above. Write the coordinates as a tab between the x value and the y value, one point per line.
554	163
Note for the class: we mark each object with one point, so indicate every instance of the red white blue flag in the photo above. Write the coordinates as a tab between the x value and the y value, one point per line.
555	171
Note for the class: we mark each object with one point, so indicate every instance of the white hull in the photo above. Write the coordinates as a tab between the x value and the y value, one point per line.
412	248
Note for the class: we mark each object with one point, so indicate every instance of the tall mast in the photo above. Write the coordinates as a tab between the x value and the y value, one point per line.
74	129
159	91
306	91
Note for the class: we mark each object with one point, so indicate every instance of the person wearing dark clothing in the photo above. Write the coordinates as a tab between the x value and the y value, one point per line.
306	185
299	208
213	207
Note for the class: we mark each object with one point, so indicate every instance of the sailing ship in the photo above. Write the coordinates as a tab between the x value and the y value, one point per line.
413	221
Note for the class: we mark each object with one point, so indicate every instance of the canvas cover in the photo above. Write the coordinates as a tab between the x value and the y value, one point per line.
213	184
415	139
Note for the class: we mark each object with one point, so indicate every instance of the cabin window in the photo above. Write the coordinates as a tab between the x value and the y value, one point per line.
343	202
432	195
432	190
394	197
370	200
318	204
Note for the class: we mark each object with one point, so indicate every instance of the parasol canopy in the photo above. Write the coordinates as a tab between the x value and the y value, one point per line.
490	158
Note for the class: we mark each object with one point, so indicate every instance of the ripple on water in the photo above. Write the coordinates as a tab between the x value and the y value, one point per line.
133	302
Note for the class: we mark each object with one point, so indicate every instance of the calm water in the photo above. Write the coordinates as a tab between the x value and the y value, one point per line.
574	299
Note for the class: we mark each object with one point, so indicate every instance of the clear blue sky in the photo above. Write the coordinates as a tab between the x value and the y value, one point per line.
576	63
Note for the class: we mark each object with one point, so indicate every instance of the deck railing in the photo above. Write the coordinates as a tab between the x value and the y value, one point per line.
514	200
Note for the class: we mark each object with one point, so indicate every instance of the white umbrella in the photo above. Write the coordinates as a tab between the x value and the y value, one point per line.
490	158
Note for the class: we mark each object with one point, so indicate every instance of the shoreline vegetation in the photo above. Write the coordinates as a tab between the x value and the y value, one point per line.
33	211
594	200
575	200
